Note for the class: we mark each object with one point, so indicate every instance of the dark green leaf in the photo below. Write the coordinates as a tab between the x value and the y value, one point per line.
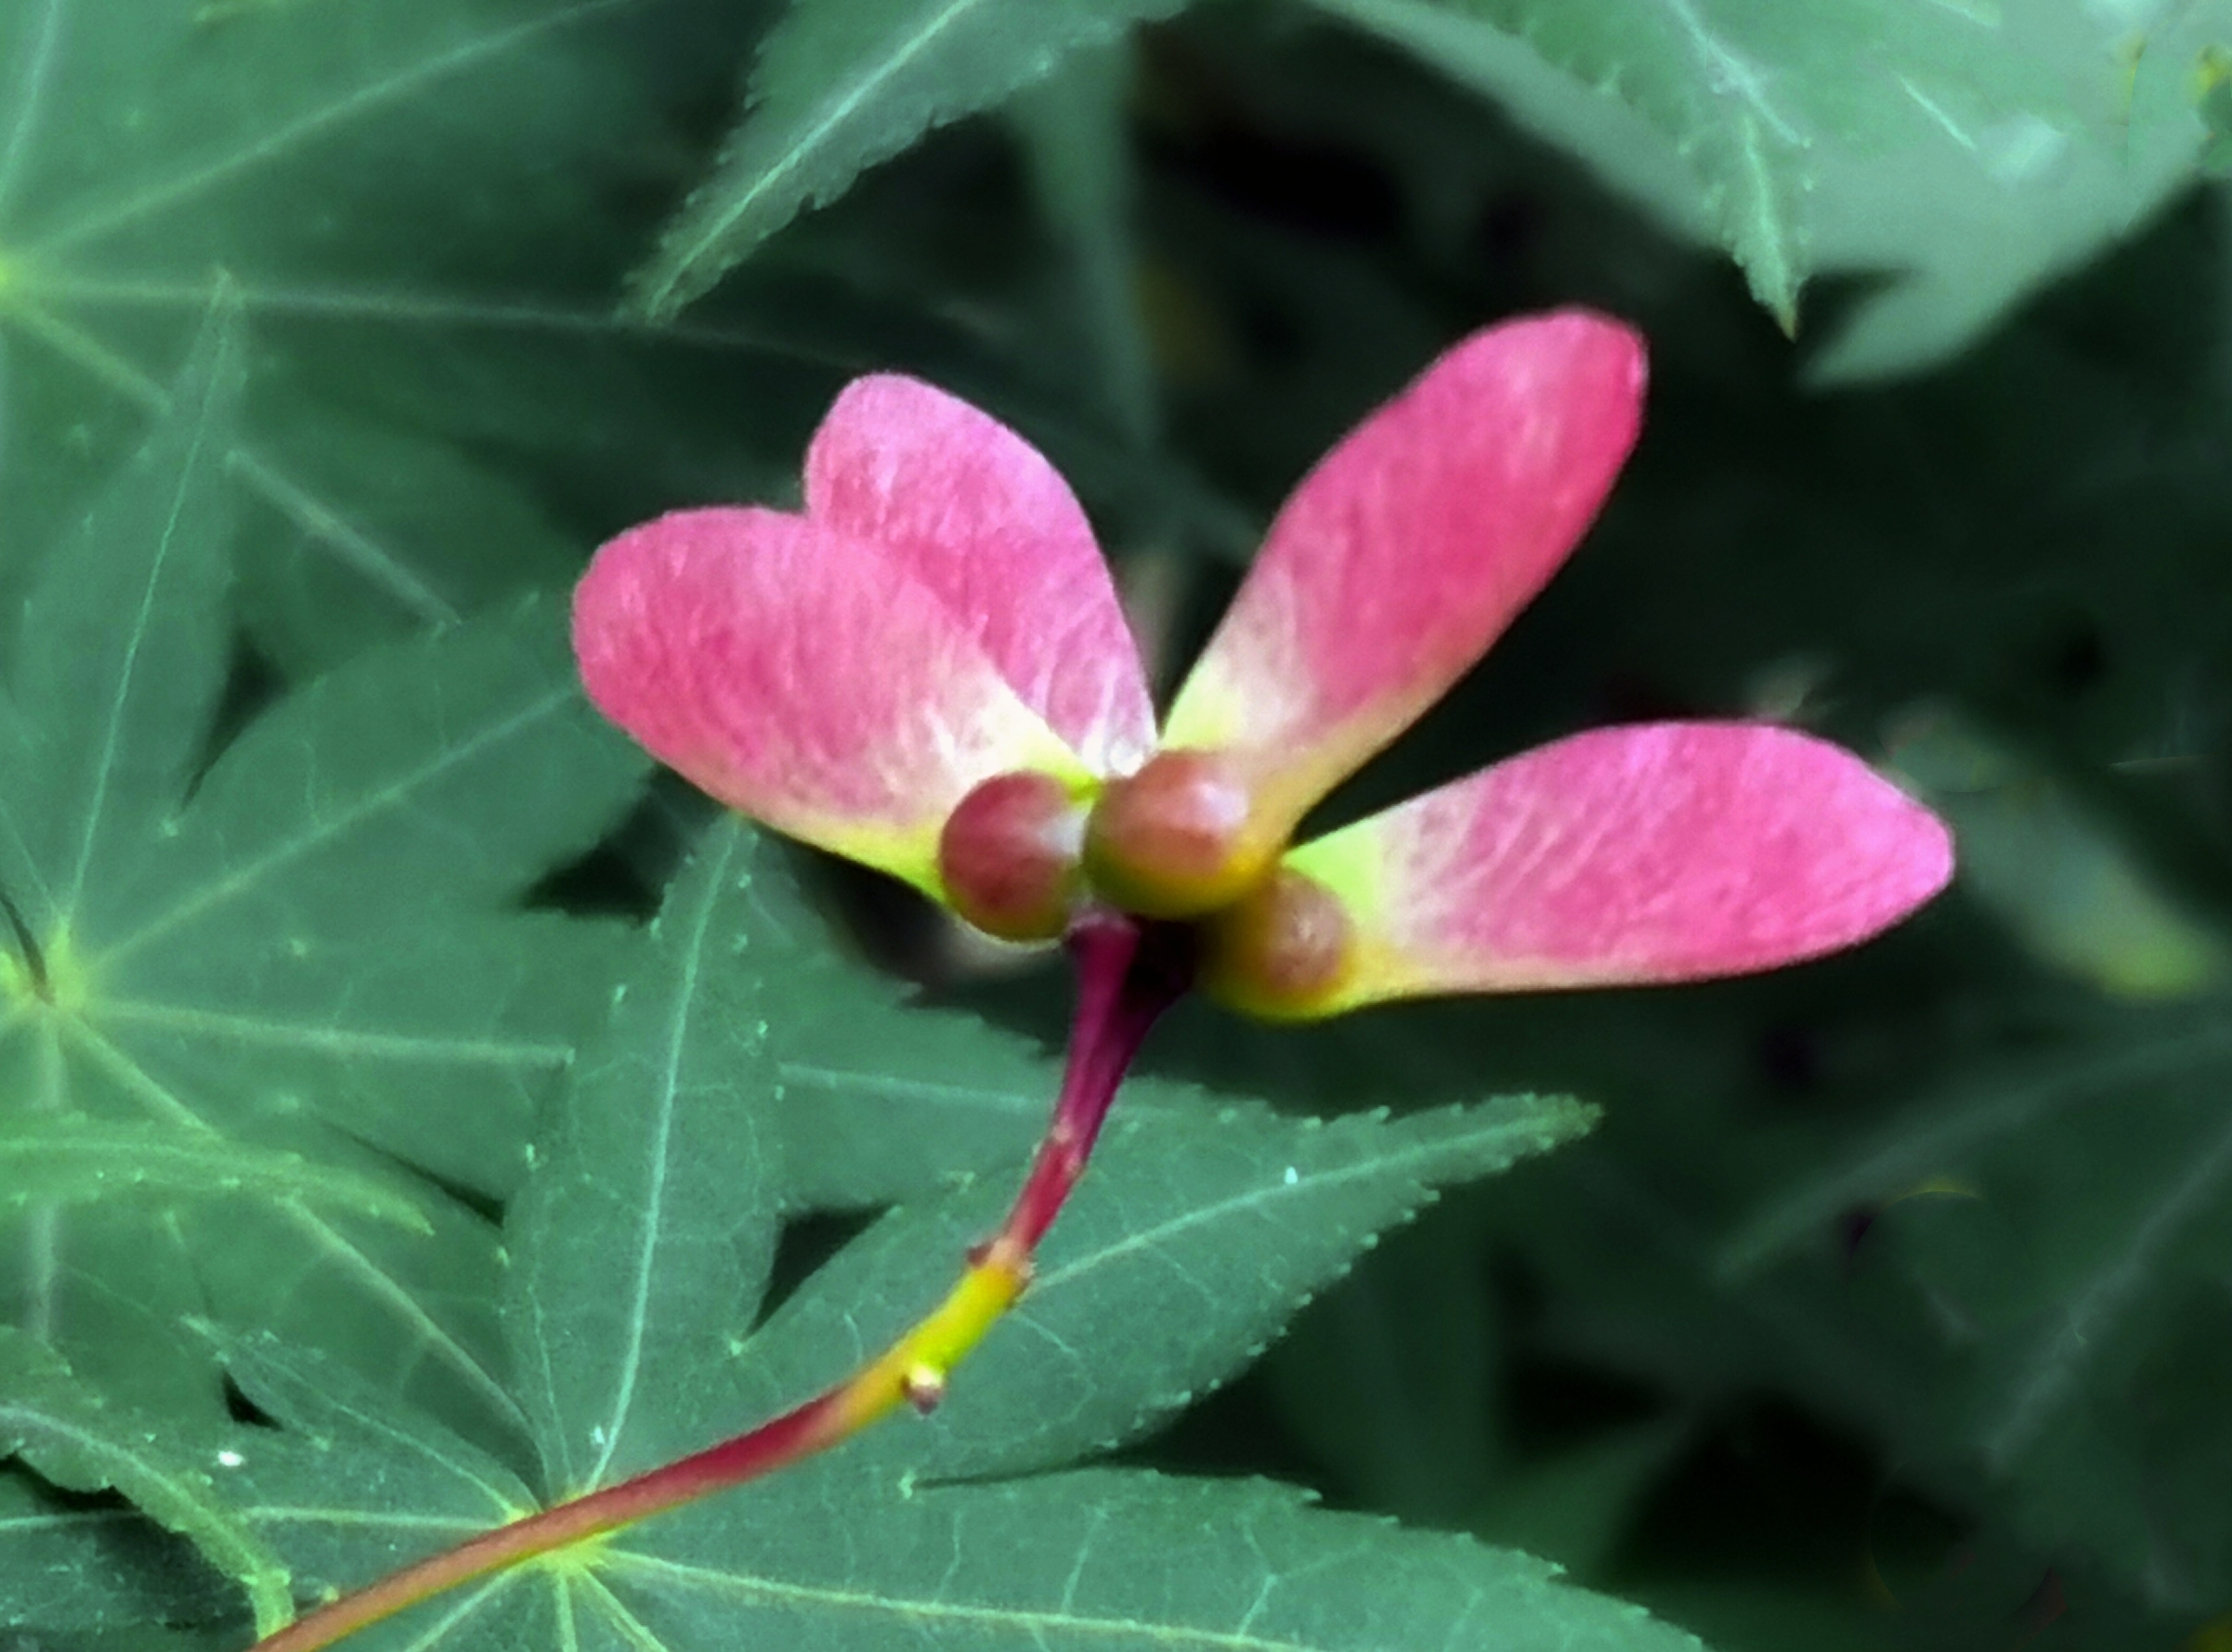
842	84
54	1541
1879	137
58	1159
644	1237
76	1439
1096	1559
1076	138
1392	1381
399	204
1200	1232
301	952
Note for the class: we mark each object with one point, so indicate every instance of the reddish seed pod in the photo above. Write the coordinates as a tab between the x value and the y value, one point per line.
1008	855
1172	840
1281	951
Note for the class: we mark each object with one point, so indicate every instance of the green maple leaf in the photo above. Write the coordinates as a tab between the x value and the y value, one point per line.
885	1098
420	207
78	1439
639	1249
2034	1283
842	84
1973	148
245	1001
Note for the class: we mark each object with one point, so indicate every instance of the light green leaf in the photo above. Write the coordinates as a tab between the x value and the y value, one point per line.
1241	1209
1075	127
842	84
53	1541
1198	1232
1081	1560
1098	1559
127	624
79	1440
880	1101
58	1160
1192	1240
2210	79
883	1097
644	1236
2060	877
419	211
1874	137
309	950
1607	132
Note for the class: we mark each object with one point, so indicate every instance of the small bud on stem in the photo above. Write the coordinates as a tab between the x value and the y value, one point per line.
925	1387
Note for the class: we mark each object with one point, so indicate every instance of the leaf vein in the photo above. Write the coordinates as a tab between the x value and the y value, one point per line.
1424	1153
321	1232
372	803
188	472
386	89
334	1040
616	1612
2053	1369
900	57
662	1133
1035	1622
440	1631
31	91
1728	71
362	1519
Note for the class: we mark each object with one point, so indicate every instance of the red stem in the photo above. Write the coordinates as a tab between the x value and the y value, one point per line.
1126	977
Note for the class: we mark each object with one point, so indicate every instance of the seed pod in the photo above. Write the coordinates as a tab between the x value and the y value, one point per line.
1281	951
1172	841
1008	855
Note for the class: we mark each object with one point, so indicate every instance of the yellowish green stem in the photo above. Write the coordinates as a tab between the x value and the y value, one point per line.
1123	985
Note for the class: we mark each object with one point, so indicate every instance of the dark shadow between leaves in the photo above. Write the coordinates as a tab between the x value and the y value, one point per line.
806	1242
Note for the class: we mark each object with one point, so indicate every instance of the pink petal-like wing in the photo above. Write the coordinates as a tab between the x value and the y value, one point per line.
979	517
1409	548
799	676
1665	851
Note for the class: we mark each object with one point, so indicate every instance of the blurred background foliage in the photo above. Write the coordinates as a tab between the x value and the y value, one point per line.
1892	1305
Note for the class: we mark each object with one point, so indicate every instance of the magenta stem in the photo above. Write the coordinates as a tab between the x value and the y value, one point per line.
796	1433
1127	976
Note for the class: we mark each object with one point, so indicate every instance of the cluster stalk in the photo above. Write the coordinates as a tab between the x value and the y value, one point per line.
1128	974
